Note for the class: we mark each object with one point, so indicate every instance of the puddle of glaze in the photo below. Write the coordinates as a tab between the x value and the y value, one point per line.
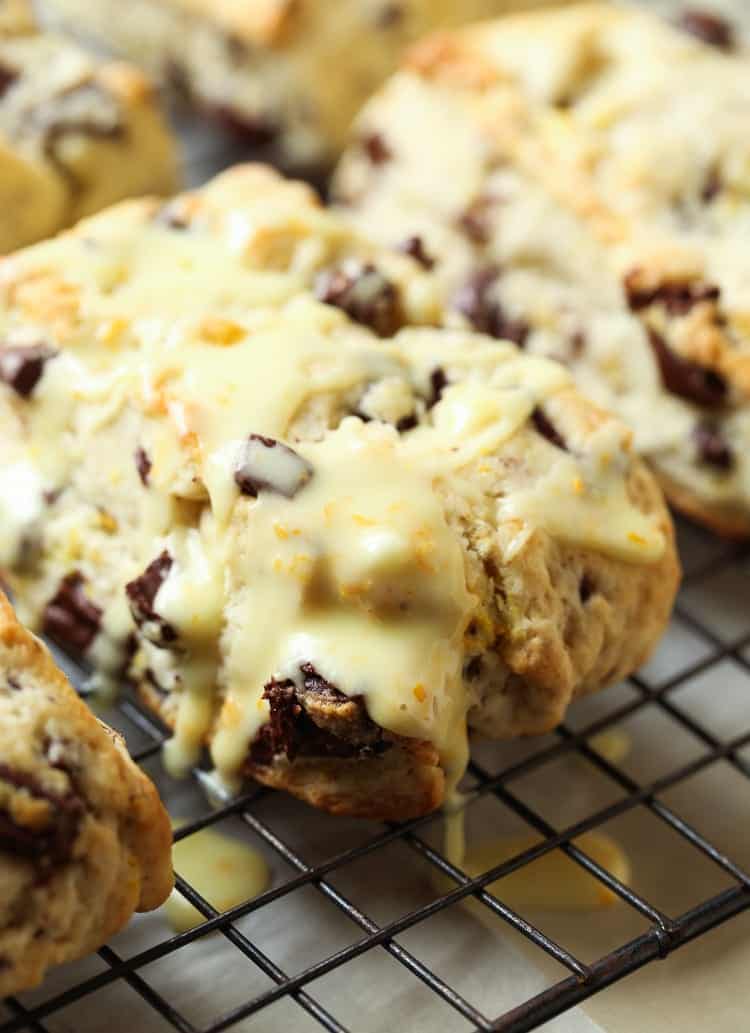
225	871
551	883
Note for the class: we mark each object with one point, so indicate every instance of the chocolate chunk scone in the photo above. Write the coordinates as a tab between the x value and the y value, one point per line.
288	77
578	179
76	133
84	839
319	536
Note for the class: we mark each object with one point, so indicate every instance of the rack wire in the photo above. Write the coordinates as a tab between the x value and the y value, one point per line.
664	933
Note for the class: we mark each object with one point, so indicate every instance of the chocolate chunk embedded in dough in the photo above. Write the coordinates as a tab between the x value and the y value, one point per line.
269	465
70	618
22	366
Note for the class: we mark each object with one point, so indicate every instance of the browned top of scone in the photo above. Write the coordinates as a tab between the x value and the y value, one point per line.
586	217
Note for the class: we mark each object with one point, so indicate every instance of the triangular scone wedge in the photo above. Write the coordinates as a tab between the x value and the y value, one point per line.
84	838
549	168
321	537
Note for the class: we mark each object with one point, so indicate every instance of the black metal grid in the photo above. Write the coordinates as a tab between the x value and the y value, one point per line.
664	934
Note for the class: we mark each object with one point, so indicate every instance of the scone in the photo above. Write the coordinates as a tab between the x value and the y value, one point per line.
76	133
579	180
287	76
84	839
318	535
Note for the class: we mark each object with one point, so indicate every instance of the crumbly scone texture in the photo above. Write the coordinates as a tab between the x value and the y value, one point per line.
578	179
288	76
77	133
84	838
319	533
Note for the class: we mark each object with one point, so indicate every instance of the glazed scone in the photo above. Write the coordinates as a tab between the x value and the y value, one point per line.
76	134
288	76
580	181
315	533
84	839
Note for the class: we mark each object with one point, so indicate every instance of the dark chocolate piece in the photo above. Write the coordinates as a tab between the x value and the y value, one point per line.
48	843
367	297
585	588
547	429
84	109
376	148
438	384
711	186
143	465
414	246
142	592
486	314
292	731
688	379
677	298
7	77
22	366
70	618
407	423
269	465
473	668
256	130
389	15
709	27
475	220
712	447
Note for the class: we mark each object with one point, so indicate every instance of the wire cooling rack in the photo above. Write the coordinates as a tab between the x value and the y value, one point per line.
711	630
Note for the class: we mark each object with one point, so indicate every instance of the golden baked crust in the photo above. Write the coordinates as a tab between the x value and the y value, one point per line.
609	232
264	68
320	534
84	839
76	134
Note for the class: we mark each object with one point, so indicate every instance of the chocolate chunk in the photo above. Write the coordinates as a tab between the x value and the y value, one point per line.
475	220
407	423
364	294
143	465
84	109
22	366
315	682
293	732
168	215
376	148
547	429
712	447
585	588
709	27
438	384
485	314
685	378
142	592
414	246
711	186
269	465
389	15
7	77
577	344
473	668
50	842
13	683
254	130
677	298
70	618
